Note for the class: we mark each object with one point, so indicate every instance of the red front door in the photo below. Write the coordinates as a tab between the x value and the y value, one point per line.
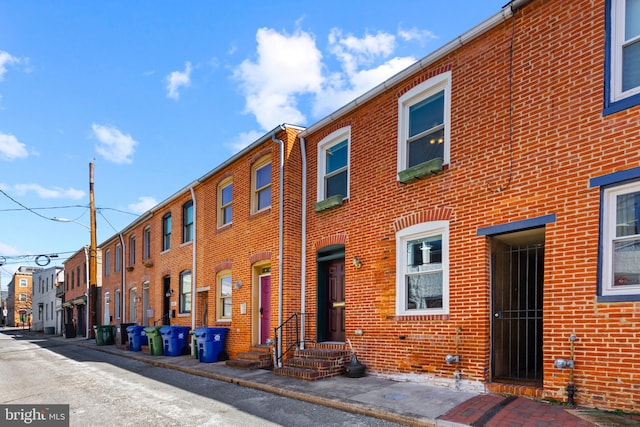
265	308
336	302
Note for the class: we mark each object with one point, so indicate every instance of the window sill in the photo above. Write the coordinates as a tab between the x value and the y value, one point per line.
420	171
618	298
328	203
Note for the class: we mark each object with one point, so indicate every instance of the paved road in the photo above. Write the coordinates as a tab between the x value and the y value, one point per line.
107	390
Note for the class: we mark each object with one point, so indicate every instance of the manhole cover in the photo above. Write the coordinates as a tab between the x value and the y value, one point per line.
395	396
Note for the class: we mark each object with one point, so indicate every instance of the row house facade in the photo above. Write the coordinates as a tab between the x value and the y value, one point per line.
46	300
209	255
19	298
472	222
475	220
80	300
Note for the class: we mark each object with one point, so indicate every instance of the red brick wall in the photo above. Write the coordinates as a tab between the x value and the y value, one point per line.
560	140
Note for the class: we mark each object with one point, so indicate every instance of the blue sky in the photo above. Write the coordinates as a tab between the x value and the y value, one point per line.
158	93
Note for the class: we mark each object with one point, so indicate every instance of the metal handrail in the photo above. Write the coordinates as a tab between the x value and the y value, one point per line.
290	330
162	319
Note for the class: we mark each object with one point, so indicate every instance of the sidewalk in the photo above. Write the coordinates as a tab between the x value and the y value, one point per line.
401	402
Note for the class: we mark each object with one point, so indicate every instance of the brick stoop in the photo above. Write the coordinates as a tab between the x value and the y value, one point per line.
315	363
258	357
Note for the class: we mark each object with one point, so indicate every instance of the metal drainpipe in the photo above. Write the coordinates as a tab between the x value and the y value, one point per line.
193	268
280	241
123	297
303	249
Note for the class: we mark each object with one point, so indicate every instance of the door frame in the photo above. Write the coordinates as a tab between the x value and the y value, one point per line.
323	257
516	320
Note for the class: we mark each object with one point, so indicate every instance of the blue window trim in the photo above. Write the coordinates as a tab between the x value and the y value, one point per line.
517	225
611	107
604	182
615	178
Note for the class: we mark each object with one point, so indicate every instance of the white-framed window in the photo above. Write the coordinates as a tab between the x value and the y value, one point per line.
187	222
146	243
23	297
624	34
225	202
166	232
132	250
333	164
185	291
23	283
107	262
117	304
422	265
133	306
424	122
621	240
224	295
117	261
261	184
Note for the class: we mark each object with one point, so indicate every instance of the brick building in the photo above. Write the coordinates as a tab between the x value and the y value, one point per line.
81	301
19	303
475	219
472	222
224	227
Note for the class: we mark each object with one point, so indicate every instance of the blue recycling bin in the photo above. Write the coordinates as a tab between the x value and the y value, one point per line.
174	339
210	343
137	337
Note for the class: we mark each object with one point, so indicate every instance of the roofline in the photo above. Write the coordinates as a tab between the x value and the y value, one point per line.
148	214
505	13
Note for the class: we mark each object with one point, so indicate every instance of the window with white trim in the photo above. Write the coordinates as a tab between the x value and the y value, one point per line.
132	250
423	118
23	283
333	164
225	201
261	184
422	265
117	261
185	291
107	262
624	55
146	243
117	304
224	290
166	232
187	222
621	241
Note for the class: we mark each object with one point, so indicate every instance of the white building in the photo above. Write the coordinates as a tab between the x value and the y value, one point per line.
46	306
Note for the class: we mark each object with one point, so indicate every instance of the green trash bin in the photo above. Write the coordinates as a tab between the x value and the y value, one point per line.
155	340
104	334
99	338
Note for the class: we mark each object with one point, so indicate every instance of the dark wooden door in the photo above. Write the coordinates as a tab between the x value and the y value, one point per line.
336	300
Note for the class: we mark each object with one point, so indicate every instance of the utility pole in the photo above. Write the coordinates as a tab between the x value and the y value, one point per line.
93	260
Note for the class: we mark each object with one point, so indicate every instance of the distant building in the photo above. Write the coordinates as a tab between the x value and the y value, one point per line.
19	299
47	316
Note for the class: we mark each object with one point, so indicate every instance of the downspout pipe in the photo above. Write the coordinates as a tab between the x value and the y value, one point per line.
303	239
280	241
193	267
123	296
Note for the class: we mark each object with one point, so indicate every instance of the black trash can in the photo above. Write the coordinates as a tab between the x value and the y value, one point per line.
69	330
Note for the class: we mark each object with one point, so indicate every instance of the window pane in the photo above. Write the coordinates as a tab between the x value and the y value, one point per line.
632	19
426	148
628	214
424	254
226	195
226	215
264	198
426	114
631	66
626	263
225	286
226	307
263	176
336	156
424	291
337	184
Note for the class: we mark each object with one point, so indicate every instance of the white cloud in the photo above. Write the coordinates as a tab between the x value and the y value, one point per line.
244	139
144	204
5	60
290	69
49	193
178	79
113	145
11	148
411	34
286	66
